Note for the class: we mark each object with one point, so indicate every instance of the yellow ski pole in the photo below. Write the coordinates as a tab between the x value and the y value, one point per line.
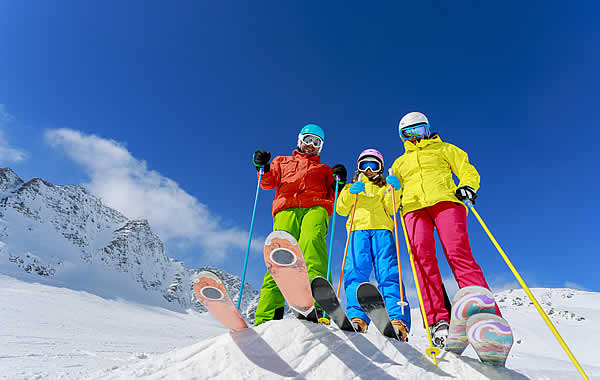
402	303
431	350
531	296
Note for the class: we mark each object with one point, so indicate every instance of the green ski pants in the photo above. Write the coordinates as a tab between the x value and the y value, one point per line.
309	226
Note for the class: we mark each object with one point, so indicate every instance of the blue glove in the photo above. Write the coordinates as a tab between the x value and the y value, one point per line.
357	187
394	181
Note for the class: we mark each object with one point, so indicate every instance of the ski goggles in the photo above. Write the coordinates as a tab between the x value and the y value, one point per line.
418	130
313	140
369	163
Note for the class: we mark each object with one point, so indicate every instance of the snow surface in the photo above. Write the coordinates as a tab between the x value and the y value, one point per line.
49	332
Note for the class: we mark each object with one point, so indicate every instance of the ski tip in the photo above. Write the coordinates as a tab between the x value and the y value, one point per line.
206	274
365	285
280	234
318	279
472	290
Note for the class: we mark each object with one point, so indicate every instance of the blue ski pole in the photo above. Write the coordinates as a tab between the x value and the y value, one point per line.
260	174
337	182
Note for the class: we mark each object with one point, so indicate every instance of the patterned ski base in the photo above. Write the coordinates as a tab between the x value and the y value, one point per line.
373	304
285	262
468	301
326	298
210	291
491	337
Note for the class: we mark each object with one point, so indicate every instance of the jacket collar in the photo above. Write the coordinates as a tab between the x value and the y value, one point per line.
315	158
408	146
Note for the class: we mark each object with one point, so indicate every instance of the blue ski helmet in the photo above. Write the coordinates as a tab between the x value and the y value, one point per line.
312	129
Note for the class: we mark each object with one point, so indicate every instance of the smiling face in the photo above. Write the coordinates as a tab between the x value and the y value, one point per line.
309	149
370	173
415	139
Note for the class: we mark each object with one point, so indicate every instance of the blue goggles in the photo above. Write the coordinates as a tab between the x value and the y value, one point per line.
418	130
369	164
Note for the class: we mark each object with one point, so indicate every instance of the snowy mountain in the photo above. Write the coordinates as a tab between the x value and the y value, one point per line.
64	236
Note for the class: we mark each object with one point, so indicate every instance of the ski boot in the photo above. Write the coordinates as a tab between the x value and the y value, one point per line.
359	325
439	333
401	329
316	315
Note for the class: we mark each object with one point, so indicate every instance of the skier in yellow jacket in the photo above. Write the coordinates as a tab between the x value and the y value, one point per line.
431	200
372	244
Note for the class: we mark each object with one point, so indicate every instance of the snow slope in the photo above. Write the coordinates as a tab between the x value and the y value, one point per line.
57	333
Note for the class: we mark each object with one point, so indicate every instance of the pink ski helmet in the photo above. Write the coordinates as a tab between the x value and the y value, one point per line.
371	153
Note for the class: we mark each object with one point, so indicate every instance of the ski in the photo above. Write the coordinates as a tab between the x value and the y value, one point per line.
209	290
285	262
491	337
373	304
468	301
325	296
473	321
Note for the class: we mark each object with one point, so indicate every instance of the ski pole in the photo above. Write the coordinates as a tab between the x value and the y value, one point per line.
469	204
337	182
260	174
431	350
348	241
402	303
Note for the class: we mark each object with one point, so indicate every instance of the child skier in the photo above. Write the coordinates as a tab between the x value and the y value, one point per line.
372	242
302	205
431	200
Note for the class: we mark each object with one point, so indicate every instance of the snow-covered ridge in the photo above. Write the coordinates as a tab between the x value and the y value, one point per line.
560	304
59	232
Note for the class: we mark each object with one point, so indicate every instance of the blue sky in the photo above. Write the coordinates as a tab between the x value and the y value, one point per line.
157	108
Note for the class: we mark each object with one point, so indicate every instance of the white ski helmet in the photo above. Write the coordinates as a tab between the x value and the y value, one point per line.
412	118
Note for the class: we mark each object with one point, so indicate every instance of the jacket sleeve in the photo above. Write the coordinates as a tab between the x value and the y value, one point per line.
388	203
271	179
345	201
387	197
330	185
459	163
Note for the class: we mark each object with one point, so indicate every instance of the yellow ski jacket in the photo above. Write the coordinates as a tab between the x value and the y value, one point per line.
425	173
373	207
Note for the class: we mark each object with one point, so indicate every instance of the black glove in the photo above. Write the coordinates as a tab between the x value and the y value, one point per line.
340	171
464	193
261	158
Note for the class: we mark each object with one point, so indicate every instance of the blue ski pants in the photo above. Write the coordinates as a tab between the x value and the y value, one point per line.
374	250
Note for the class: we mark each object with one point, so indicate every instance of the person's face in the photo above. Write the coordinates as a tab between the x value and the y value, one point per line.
309	149
370	173
415	139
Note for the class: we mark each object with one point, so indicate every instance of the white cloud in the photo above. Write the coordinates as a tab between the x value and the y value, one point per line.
126	184
8	153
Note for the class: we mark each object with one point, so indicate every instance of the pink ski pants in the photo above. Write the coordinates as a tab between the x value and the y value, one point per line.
450	219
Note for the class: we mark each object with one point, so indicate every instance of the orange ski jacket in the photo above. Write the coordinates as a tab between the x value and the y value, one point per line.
300	180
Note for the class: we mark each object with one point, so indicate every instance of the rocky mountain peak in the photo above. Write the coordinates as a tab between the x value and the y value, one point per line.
50	231
9	181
